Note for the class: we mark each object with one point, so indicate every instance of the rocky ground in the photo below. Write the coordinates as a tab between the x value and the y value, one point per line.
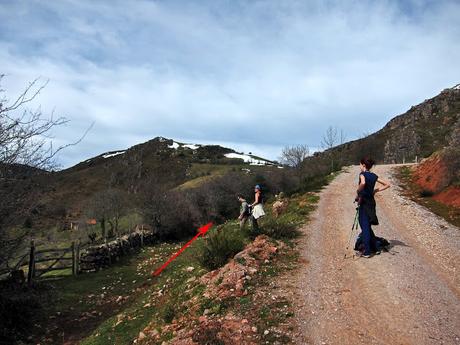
219	322
410	295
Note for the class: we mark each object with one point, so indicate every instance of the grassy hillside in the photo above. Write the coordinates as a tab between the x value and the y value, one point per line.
124	302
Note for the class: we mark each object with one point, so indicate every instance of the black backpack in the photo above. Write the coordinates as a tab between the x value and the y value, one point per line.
381	243
262	198
247	210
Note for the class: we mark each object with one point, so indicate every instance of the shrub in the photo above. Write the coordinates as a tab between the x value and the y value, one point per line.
315	183
279	229
168	313
220	245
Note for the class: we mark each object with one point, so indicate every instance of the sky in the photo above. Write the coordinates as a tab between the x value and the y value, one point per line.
251	75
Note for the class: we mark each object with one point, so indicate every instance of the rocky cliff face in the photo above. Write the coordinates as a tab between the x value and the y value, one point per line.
416	134
423	129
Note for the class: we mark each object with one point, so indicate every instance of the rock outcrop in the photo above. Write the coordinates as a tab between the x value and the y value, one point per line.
423	129
416	134
229	281
221	284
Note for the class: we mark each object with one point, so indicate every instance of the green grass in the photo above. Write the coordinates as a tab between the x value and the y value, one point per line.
173	281
58	273
131	279
196	182
221	244
200	173
286	226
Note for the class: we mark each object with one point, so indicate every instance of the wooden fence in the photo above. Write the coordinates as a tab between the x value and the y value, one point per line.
78	257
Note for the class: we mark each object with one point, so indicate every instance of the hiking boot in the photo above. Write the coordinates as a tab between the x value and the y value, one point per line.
378	252
366	256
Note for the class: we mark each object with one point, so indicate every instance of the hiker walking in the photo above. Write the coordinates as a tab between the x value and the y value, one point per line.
257	207
245	212
366	203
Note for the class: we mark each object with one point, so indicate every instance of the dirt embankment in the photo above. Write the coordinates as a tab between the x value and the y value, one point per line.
449	196
434	175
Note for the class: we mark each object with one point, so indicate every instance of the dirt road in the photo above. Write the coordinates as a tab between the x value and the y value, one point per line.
408	296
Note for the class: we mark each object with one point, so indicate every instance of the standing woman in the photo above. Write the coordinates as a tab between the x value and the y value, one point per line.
257	207
365	197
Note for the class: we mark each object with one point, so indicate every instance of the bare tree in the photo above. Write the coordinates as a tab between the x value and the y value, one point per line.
294	155
25	135
342	137
107	207
170	213
117	207
330	138
26	147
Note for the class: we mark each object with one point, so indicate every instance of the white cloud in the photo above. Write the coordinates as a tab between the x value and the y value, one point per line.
257	75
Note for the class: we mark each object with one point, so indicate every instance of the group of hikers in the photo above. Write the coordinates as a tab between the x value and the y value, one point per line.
367	243
252	211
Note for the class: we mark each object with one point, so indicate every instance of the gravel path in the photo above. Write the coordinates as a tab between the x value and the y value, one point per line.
408	296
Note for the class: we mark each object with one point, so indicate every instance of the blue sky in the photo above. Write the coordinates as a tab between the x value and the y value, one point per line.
252	75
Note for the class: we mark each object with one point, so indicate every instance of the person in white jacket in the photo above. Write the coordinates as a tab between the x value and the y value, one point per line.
257	207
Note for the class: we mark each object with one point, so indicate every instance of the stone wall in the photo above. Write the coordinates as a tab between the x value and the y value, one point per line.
96	257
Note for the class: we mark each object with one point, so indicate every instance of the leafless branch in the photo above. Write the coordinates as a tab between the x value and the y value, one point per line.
25	143
294	155
330	138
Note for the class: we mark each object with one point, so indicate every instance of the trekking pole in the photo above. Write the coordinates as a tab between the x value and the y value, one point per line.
353	227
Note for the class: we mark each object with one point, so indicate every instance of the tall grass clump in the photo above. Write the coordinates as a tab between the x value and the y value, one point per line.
279	228
221	245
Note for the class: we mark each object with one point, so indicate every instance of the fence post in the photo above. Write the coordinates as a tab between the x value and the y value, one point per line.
31	272
77	261
74	266
109	257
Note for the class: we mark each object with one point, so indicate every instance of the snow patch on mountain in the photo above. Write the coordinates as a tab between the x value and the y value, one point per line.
192	146
247	159
109	155
174	145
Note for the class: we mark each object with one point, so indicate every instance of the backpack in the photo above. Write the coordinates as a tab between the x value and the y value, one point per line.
247	210
381	244
262	198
